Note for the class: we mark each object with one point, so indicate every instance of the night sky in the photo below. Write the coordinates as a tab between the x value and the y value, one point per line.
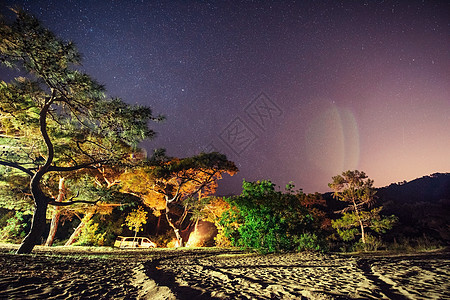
298	91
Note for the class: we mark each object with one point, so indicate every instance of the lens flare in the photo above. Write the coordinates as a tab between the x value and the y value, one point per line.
332	140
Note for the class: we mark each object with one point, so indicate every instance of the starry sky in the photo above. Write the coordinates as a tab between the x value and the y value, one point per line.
294	91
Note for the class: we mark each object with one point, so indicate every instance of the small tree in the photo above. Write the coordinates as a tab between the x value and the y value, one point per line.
90	236
136	219
88	211
355	188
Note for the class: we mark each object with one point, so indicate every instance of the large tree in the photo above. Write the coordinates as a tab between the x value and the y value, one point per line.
56	118
176	186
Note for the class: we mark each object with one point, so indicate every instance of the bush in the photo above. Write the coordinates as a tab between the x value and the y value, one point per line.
89	235
14	230
415	244
221	240
269	221
373	243
163	240
308	241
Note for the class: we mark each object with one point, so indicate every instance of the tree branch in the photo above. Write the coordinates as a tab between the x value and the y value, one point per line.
177	194
16	166
54	203
75	168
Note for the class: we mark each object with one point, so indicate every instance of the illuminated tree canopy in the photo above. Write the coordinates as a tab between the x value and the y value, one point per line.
56	118
136	219
268	220
176	186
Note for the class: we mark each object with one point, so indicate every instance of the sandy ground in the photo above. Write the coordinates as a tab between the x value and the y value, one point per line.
77	273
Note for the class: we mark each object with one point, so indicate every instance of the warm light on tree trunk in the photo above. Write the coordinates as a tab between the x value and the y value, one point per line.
56	213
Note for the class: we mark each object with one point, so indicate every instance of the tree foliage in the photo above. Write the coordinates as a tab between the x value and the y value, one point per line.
264	219
357	189
90	236
178	179
136	219
138	182
58	119
176	187
14	191
14	228
211	210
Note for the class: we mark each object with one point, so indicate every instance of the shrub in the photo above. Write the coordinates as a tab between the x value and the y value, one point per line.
372	243
221	240
163	240
310	241
89	235
14	230
415	244
269	221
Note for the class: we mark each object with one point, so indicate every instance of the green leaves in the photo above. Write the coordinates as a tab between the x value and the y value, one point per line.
357	189
353	186
116	120
383	224
27	45
347	226
58	119
264	219
14	228
83	124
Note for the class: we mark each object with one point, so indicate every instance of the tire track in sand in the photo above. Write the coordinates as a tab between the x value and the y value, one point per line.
385	288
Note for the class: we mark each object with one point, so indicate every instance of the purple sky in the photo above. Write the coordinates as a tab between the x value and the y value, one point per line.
298	91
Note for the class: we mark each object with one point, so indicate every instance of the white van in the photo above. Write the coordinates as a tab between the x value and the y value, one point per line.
133	242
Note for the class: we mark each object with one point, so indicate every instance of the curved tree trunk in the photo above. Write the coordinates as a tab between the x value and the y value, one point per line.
37	225
40	199
56	214
53	227
75	234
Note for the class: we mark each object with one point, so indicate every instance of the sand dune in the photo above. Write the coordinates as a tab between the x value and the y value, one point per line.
217	274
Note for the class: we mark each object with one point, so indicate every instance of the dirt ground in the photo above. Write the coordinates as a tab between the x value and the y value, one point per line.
87	273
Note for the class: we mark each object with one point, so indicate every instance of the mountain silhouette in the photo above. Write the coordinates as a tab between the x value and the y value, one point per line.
422	206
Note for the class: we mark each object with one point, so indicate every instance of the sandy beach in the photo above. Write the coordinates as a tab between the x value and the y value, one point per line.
80	273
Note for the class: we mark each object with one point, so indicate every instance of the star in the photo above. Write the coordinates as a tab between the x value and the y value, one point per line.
335	70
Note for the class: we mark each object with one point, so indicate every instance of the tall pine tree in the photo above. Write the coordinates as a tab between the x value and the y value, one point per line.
56	118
